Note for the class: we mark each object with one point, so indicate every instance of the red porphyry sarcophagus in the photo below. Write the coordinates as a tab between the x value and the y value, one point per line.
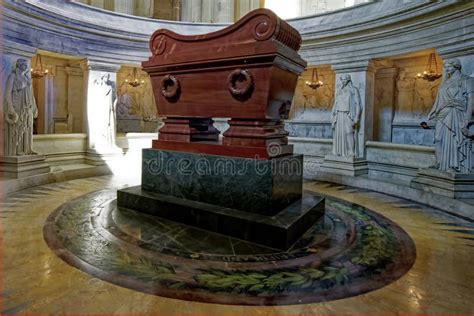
246	72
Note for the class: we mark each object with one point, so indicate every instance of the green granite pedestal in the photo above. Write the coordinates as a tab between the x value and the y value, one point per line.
256	200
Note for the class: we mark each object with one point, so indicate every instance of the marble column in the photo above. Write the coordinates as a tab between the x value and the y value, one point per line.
362	76
75	100
191	11
109	5
44	95
223	11
123	6
176	10
207	11
144	8
384	103
242	7
17	166
99	83
97	3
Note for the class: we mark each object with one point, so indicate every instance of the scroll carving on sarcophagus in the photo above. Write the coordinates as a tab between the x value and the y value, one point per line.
246	72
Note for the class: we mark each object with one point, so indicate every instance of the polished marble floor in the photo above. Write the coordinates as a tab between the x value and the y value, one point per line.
36	280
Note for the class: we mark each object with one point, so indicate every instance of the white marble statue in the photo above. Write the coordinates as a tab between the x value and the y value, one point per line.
103	130
345	119
452	113
20	111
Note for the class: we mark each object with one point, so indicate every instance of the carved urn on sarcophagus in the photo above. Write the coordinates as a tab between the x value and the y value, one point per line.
246	72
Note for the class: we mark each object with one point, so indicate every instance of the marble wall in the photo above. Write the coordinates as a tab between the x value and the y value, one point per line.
311	109
211	11
159	9
403	101
142	100
384	98
59	96
136	108
217	11
242	7
166	9
300	8
414	96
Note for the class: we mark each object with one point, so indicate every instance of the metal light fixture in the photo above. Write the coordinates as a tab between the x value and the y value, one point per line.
37	72
315	83
431	74
135	82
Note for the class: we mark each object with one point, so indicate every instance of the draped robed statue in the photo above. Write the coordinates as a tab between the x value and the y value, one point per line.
345	119
20	111
452	112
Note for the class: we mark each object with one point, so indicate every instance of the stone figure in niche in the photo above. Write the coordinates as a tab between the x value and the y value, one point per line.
306	99
326	98
20	111
105	115
452	112
148	100
124	104
345	119
425	94
405	94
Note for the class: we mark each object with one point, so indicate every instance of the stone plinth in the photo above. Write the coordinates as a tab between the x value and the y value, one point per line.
15	167
280	231
450	184
348	166
251	185
100	158
256	200
129	125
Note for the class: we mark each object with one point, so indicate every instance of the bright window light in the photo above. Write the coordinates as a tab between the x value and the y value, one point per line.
283	8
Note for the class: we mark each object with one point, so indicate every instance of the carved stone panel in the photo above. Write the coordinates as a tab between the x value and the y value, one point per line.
135	101
414	96
314	104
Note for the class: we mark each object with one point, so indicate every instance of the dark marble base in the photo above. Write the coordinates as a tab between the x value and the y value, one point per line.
246	184
280	231
349	251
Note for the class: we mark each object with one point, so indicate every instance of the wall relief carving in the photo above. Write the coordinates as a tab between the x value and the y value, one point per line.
414	96
135	102
314	104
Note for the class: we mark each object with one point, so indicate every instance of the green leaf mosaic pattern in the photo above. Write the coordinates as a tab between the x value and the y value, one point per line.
374	253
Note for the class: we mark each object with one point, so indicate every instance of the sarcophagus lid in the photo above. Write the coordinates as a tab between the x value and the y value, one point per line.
247	71
243	71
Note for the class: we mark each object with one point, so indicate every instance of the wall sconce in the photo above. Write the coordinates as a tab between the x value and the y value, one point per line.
315	83
135	82
431	74
37	72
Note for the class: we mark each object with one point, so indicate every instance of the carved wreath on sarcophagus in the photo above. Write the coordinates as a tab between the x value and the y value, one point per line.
240	82
170	87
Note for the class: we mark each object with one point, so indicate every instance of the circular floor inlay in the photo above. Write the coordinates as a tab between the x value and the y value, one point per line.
350	251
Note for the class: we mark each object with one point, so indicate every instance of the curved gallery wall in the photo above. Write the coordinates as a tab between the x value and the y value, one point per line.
381	45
